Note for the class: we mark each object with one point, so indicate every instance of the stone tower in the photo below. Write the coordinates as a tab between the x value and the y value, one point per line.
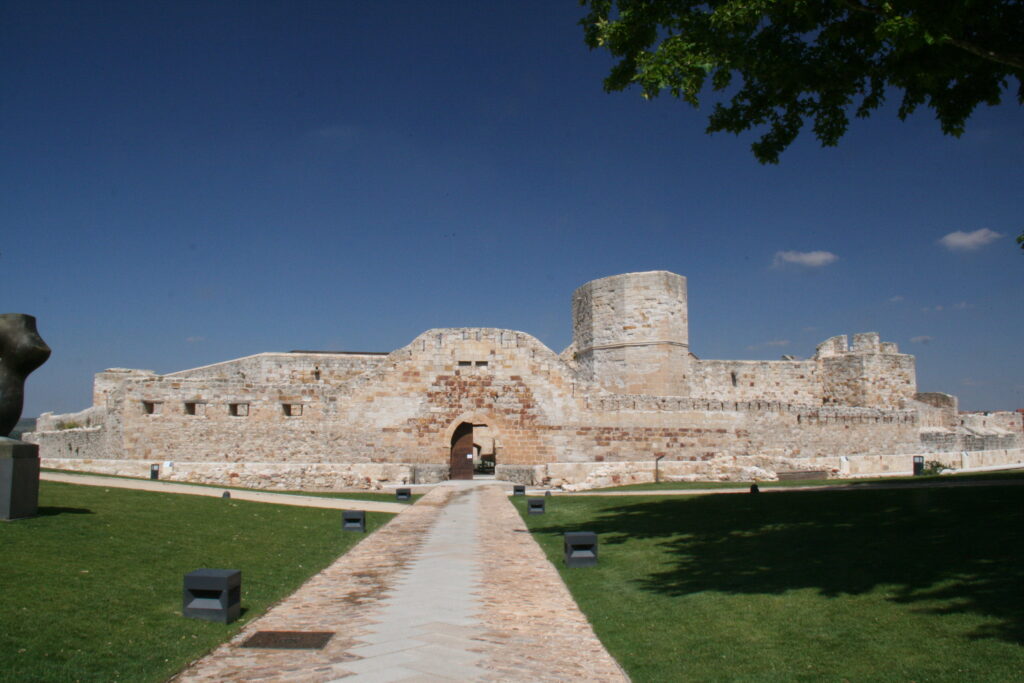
630	333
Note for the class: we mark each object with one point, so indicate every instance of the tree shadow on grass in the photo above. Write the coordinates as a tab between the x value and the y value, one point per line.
49	511
944	550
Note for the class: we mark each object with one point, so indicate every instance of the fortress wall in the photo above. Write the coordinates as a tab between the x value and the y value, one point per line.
306	476
1003	420
93	416
107	382
399	412
706	435
868	374
81	442
287	368
404	411
785	381
936	411
571	476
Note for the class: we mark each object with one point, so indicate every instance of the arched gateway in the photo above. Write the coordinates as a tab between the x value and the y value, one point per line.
461	460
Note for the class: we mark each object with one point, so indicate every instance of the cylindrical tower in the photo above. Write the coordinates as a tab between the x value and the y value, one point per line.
631	333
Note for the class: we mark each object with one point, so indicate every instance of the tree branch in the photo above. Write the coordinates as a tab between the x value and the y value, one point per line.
1013	60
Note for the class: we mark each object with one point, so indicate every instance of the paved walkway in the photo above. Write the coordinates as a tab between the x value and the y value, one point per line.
452	589
237	494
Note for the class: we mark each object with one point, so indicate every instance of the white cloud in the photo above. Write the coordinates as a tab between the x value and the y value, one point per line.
895	299
923	339
969	241
963	305
932	309
809	259
194	340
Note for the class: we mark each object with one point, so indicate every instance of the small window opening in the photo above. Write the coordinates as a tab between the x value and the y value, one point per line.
465	363
195	408
316	374
292	409
238	409
734	383
481	364
152	407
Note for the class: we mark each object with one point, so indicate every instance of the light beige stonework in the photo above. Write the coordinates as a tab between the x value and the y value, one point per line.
627	392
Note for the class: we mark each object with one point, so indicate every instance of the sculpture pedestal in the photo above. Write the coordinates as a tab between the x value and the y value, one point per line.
19	479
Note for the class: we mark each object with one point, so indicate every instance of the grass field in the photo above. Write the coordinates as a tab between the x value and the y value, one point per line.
91	588
860	482
388	497
901	585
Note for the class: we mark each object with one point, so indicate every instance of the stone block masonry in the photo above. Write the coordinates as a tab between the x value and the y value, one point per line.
625	392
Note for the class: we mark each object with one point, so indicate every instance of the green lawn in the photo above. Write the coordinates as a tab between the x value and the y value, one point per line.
92	587
866	482
353	495
901	585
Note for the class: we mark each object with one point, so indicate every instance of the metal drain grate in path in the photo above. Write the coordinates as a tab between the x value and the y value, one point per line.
289	640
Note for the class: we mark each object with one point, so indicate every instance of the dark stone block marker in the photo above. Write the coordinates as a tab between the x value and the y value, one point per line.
403	494
518	490
353	520
580	549
19	479
535	506
213	595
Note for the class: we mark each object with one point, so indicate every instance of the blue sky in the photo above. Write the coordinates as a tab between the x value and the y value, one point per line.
188	182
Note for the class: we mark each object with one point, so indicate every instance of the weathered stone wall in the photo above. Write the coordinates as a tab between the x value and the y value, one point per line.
583	476
80	443
936	410
870	374
288	368
111	380
993	421
93	416
785	381
631	333
537	410
569	476
260	475
280	412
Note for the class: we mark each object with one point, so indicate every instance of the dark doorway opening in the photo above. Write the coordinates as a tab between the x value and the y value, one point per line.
461	461
485	461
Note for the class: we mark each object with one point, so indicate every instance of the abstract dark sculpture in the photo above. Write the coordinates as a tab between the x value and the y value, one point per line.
22	350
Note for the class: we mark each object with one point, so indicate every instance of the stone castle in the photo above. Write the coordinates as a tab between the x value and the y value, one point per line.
626	401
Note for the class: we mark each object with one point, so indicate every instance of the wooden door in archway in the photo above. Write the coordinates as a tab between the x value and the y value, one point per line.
461	462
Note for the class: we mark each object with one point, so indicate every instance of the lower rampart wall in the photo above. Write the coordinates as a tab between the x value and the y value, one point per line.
568	476
264	475
583	476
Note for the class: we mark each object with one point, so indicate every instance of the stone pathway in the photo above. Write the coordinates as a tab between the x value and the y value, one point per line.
452	589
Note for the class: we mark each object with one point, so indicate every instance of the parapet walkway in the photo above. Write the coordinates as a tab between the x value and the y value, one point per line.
452	589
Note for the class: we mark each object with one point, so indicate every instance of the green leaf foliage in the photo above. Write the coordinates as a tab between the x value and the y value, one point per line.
778	64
